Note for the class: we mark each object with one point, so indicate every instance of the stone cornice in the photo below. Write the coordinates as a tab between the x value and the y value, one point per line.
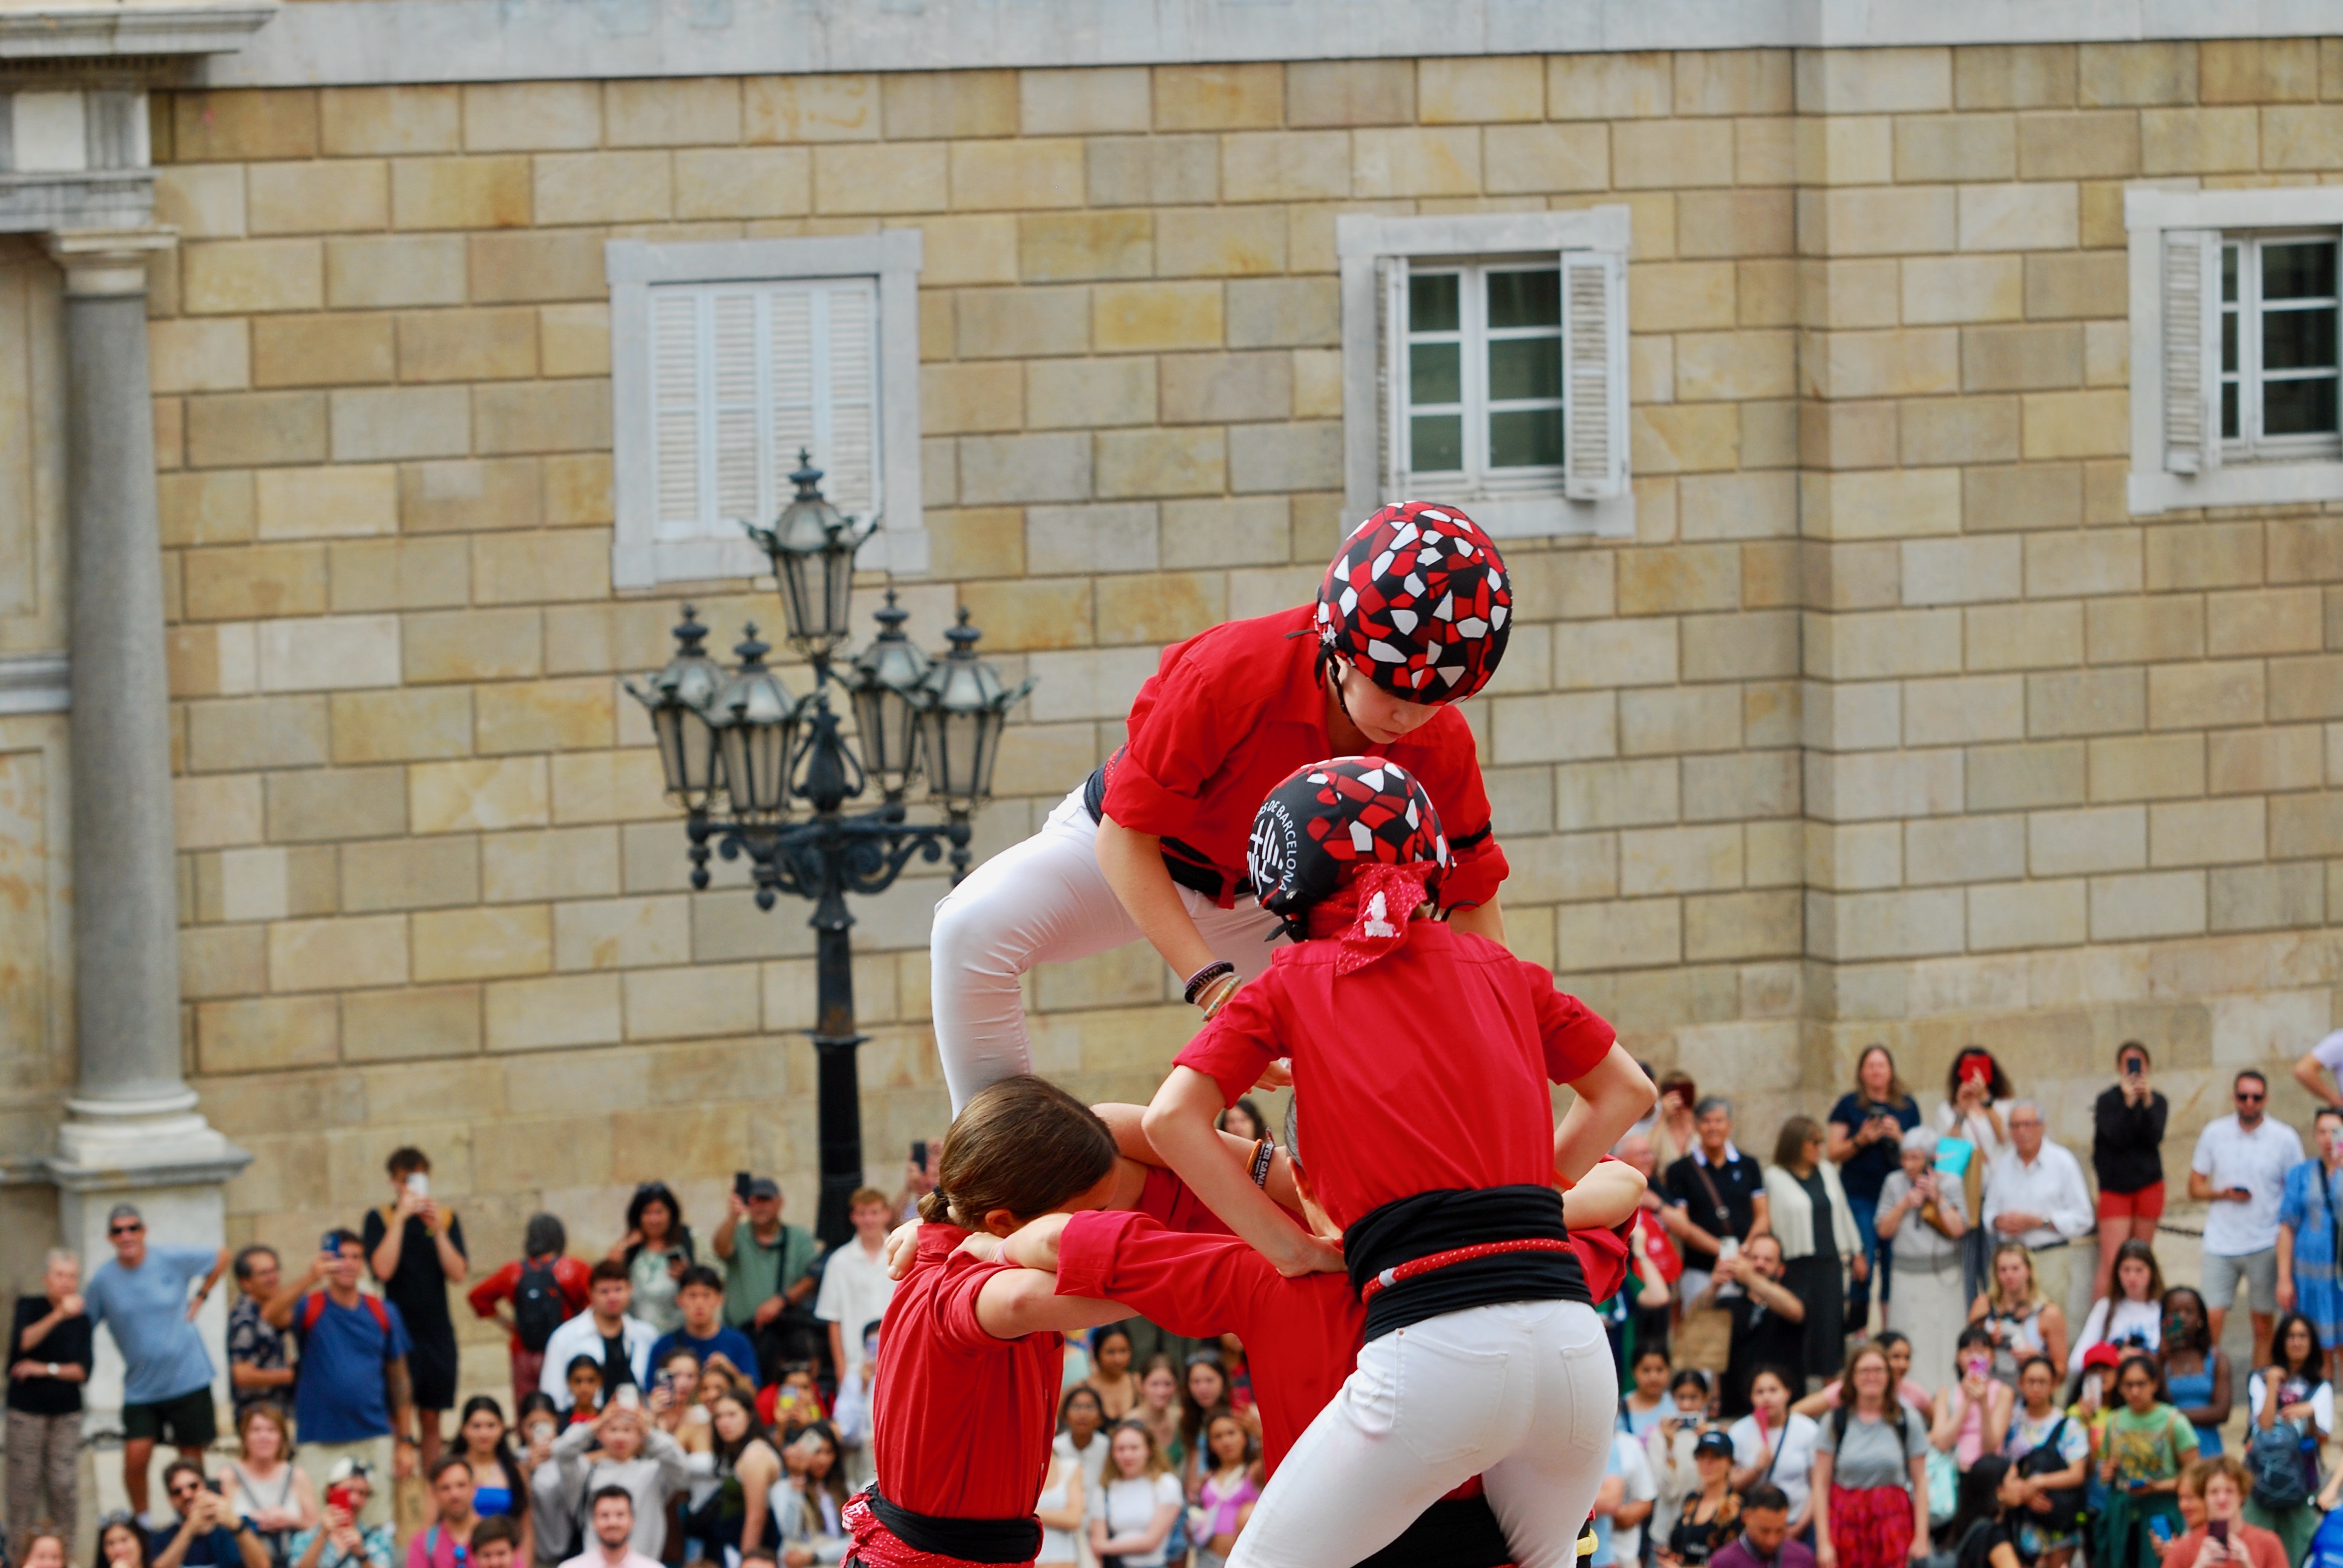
98	32
356	42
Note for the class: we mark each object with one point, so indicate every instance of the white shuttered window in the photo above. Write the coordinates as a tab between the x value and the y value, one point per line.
728	358
1486	365
2237	394
746	375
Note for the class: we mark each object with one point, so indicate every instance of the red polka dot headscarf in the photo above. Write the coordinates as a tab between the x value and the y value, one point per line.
1351	819
1417	597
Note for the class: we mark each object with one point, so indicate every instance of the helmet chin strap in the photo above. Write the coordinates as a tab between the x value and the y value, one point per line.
1341	669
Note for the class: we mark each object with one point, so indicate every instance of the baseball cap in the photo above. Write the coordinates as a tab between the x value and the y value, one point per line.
1712	1443
764	1187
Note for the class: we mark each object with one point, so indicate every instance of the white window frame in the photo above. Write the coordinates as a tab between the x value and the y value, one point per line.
890	260
1375	253
2179	459
2251	443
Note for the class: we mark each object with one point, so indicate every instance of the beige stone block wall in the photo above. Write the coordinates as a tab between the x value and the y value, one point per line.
1890	723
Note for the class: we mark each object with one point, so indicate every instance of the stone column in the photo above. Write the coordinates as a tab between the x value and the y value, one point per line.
132	1131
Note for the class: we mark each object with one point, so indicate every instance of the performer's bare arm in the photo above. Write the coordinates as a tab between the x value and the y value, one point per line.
1127	1123
1605	1196
1610	1096
1133	866
1179	1123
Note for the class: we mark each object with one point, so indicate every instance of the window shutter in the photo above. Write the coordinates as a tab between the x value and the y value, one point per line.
2192	350
1390	347
790	334
731	430
1594	374
852	443
675	412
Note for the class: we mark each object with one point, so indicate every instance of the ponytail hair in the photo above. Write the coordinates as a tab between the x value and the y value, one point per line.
1022	1144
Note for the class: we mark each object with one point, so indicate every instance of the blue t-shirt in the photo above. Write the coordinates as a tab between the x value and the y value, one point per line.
147	1309
1868	1169
339	1396
728	1341
212	1549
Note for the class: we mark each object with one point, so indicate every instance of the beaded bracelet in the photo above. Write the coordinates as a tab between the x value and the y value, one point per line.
1204	976
1216	993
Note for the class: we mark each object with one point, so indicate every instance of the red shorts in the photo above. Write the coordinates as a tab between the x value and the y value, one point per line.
2147	1203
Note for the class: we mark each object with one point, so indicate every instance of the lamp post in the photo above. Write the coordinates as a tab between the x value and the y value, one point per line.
742	752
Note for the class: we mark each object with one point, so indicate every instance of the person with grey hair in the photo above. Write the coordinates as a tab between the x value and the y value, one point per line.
1922	1217
533	1295
258	1370
2035	1193
49	1354
1716	1197
141	1295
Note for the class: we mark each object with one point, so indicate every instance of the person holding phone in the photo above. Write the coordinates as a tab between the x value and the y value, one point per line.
1864	1138
415	1250
2306	1220
2144	1446
2127	1157
1973	1410
342	1540
2226	1540
2239	1168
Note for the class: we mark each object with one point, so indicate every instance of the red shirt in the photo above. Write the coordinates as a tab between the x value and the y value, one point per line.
570	1274
1305	1331
964	1420
1428	1067
1233	710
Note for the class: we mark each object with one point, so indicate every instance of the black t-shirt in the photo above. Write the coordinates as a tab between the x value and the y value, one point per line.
67	1344
616	1367
1739	1181
1868	1169
418	1286
1761	1337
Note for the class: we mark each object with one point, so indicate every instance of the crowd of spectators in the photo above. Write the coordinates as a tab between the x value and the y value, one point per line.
1880	1336
669	1404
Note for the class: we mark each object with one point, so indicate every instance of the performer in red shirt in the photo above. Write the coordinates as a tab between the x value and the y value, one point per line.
1304	1332
964	1399
1412	618
1424	1052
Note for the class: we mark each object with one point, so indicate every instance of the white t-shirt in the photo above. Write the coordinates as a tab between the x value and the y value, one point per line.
1130	1508
1976	1127
854	1290
2128	1324
1793	1464
1628	1459
2330	1052
1091	1458
2322	1402
2228	1156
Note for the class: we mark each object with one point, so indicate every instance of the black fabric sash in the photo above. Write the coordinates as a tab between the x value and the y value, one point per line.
1449	1218
1454	1532
1188	867
969	1540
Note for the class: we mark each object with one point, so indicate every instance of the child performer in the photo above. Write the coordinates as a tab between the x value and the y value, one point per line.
1412	618
1423	1053
965	1397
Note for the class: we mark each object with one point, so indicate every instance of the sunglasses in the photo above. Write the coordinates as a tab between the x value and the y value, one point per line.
124	1230
2245	1097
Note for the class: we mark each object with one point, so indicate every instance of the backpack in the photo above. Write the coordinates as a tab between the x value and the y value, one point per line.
2274	1459
538	1305
313	1307
2067	1512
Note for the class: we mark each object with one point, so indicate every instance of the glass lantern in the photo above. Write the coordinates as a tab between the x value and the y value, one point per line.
959	729
885	686
812	546
756	723
679	697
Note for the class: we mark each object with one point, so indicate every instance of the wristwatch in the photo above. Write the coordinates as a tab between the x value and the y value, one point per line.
53	1368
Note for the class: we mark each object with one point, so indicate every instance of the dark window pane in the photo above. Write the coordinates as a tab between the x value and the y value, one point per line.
1432	376
1431	303
2298	408
1525	437
1524	367
2298	339
2298	270
1526	298
2229	274
2229	341
2229	411
1436	443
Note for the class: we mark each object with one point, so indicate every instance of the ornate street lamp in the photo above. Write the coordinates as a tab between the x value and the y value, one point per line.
739	749
812	546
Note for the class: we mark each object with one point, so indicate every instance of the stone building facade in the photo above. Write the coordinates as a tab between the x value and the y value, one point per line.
1900	690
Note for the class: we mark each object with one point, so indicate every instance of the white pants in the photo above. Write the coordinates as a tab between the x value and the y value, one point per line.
1044	901
1522	1394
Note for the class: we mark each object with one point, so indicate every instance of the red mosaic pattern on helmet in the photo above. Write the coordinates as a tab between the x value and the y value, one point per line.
1418	598
1331	817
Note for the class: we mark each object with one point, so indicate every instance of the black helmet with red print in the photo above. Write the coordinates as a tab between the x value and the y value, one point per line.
1330	817
1417	597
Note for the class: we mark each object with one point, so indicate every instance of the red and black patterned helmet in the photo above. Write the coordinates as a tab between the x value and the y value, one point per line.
1331	817
1417	597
